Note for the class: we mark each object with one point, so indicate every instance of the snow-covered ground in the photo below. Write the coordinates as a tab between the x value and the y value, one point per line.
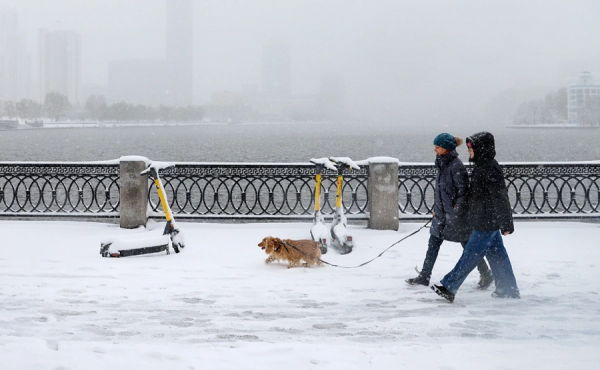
217	305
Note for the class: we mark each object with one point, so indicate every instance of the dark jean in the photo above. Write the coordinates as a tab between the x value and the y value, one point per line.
432	252
490	245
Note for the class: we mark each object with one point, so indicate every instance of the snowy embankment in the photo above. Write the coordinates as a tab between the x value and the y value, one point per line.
217	305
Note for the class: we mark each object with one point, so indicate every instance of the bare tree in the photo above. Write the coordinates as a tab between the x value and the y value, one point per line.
551	109
56	104
95	107
29	109
9	109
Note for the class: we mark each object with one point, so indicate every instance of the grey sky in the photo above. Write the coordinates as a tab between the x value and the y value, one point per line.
398	58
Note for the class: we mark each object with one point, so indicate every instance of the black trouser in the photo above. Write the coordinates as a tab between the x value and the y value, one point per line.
432	252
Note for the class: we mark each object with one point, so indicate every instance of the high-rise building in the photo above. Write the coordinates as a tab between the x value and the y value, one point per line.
15	62
276	70
331	97
160	82
180	51
60	63
138	82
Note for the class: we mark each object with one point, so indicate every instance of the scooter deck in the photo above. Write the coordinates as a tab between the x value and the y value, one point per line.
343	248
146	250
132	252
343	244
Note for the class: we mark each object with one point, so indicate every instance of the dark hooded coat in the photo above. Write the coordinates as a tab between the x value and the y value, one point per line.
489	207
451	220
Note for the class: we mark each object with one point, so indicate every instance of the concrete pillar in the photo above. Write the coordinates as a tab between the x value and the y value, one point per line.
133	193
383	193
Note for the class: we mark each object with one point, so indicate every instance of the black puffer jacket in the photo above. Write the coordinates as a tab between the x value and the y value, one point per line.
489	206
451	220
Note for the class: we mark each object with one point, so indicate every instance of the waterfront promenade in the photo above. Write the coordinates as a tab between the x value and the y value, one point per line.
217	305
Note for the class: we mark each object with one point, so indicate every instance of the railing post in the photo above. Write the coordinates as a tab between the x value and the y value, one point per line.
383	193
133	193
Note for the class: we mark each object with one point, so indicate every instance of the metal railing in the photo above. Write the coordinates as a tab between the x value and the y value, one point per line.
536	190
59	189
255	191
280	191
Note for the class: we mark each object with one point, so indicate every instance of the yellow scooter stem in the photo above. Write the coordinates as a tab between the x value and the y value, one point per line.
338	195
163	201
318	193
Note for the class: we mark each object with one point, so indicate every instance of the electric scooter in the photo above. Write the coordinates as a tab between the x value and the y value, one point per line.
319	231
172	236
338	225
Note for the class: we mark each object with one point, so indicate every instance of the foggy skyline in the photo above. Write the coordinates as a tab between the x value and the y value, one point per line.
400	60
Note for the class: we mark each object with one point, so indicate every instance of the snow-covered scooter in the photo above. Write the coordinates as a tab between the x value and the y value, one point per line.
319	232
172	236
338	225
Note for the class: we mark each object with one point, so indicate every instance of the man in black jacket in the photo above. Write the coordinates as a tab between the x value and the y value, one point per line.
450	209
490	214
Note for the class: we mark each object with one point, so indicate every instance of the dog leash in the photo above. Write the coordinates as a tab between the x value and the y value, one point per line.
284	245
364	263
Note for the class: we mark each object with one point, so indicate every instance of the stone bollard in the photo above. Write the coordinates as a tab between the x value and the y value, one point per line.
383	193
133	193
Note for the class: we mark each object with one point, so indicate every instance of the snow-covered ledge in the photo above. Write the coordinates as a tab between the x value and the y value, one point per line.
133	191
383	192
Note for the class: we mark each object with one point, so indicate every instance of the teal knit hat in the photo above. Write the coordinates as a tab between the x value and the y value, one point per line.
445	141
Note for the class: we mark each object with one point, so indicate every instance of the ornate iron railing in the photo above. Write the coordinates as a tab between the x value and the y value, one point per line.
279	191
276	191
59	189
554	189
537	190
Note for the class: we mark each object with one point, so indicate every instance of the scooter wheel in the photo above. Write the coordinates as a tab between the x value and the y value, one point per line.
176	248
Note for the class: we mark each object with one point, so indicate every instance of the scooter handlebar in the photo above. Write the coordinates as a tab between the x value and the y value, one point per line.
344	162
153	169
323	163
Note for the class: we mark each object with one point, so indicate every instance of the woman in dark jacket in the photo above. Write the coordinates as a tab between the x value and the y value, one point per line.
490	214
450	208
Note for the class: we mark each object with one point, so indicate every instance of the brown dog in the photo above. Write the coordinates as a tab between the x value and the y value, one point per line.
279	250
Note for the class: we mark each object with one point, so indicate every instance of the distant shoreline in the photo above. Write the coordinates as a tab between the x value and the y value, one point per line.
561	126
65	125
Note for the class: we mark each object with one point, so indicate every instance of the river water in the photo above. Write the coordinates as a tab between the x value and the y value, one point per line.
285	143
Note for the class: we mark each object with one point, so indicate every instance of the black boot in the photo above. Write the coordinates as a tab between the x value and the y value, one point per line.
443	292
419	280
485	280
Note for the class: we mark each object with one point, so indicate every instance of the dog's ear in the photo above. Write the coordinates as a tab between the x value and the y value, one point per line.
262	243
276	241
